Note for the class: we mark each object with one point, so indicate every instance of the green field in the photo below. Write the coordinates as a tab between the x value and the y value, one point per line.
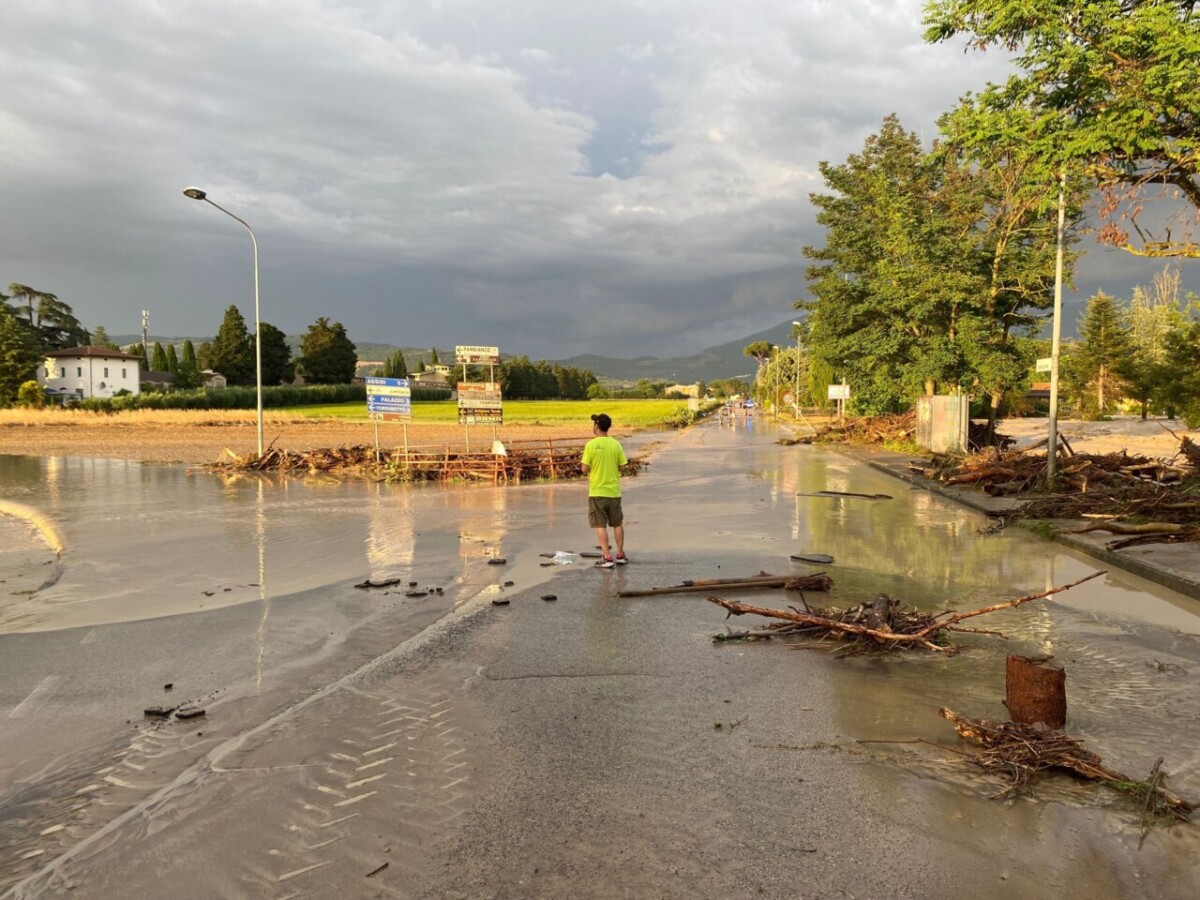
625	413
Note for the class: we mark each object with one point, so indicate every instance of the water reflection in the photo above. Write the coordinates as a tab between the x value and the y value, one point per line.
148	540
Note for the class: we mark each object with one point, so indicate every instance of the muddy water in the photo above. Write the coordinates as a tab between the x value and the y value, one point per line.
145	541
716	502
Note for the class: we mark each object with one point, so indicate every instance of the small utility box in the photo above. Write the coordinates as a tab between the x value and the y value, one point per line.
942	423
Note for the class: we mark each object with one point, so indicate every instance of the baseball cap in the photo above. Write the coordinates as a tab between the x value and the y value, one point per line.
602	420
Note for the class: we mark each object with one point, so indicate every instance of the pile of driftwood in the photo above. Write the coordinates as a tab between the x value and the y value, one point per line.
1144	500
894	429
869	430
1023	751
880	625
520	461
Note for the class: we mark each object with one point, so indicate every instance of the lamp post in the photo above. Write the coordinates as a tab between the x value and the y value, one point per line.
196	194
796	395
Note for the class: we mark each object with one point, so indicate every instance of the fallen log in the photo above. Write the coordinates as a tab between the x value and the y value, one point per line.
1180	537
904	630
1023	751
980	474
847	494
817	582
1121	528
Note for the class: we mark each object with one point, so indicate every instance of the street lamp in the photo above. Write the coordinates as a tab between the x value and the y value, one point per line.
796	395
196	194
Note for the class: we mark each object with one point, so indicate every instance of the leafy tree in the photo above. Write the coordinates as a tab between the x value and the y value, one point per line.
31	395
277	365
53	322
1182	392
1097	359
172	360
1013	245
19	355
1154	313
760	351
204	356
597	391
327	355
894	283
232	352
1114	81
158	358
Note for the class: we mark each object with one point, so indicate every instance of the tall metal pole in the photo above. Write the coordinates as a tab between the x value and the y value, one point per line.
1052	445
796	394
197	194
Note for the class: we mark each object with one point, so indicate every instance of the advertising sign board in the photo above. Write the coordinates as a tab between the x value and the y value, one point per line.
389	399
477	356
839	392
480	403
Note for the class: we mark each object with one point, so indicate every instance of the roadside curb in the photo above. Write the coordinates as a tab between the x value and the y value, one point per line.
895	466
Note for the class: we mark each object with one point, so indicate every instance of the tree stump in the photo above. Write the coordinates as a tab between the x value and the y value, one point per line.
1035	692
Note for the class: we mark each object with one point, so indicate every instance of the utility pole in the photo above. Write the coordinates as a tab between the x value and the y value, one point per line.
1052	444
145	328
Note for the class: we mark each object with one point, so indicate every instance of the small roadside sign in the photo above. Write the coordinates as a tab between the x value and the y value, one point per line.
789	398
839	392
1045	363
480	403
477	356
389	399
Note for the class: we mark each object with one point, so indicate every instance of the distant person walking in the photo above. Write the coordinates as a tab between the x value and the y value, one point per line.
602	461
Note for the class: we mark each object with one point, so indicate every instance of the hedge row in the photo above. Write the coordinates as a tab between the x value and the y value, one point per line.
247	398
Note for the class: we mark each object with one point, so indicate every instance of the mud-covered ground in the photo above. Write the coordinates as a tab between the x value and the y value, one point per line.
197	443
197	440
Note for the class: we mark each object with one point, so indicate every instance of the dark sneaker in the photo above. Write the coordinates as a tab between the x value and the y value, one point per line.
621	559
605	562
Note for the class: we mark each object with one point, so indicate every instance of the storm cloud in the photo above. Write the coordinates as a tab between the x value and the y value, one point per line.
553	177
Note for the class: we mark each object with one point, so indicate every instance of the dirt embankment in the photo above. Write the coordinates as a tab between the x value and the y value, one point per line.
1149	438
201	441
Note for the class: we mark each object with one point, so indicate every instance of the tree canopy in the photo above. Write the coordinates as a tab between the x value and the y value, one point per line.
232	350
1113	90
277	365
327	355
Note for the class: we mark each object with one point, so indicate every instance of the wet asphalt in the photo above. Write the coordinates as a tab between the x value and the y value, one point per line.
590	746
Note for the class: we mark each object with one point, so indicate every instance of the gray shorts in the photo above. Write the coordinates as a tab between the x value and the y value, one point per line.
604	511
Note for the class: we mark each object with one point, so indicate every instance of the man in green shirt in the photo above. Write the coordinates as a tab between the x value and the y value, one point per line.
602	461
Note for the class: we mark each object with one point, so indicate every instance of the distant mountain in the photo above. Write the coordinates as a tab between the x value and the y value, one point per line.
723	361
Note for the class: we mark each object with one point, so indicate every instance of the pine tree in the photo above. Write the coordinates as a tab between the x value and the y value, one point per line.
277	366
19	355
1104	346
232	352
327	355
158	359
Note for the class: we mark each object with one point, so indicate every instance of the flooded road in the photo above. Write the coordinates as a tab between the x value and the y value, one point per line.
240	593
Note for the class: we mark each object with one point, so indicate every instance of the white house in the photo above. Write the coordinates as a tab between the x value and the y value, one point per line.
89	372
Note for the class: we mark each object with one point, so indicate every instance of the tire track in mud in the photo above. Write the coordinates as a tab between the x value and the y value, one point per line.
49	818
395	776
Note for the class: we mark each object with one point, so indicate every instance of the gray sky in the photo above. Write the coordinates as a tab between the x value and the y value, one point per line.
628	177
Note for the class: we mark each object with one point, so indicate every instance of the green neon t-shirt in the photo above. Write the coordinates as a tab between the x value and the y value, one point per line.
604	457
